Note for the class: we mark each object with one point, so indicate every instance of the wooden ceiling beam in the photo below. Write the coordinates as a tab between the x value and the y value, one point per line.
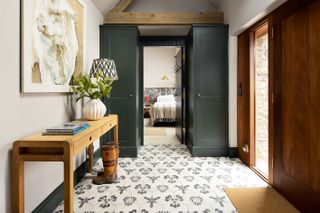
164	18
123	4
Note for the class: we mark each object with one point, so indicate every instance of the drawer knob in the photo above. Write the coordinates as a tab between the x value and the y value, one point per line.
90	138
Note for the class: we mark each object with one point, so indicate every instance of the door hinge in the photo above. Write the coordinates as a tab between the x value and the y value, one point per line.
272	98
272	32
272	164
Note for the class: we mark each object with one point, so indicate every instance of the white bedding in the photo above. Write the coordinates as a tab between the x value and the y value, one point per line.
164	110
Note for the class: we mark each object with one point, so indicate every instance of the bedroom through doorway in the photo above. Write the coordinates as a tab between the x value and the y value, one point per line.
162	94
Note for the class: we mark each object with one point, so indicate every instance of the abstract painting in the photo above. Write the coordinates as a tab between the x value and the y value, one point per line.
52	44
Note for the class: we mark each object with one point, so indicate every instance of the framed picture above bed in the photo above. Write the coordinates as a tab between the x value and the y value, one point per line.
52	44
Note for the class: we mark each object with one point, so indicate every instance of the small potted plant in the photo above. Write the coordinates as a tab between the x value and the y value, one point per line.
95	88
147	100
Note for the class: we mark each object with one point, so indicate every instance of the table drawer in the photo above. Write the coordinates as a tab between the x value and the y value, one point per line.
87	140
108	126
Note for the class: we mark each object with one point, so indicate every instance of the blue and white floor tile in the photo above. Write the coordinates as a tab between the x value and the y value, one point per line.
165	178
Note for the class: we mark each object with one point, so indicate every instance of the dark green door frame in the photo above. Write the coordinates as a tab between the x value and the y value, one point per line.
120	43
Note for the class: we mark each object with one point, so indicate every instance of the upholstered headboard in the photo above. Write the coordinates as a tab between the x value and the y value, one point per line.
153	93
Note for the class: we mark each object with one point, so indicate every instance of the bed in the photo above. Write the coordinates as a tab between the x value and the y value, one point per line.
163	112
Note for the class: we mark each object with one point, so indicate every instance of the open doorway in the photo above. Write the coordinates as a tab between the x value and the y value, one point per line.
162	94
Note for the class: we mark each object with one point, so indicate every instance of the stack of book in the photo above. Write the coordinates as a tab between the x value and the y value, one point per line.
70	128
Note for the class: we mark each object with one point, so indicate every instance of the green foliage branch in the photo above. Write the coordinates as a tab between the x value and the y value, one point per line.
97	87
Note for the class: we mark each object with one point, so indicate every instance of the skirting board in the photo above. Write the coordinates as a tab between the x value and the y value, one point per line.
128	152
209	152
56	197
231	152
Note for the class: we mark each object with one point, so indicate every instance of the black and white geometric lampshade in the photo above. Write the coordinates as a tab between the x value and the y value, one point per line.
107	66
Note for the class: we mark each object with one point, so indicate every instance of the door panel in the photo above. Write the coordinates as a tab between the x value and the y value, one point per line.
210	79
120	44
243	100
212	118
121	109
297	116
121	53
211	89
295	148
179	110
314	54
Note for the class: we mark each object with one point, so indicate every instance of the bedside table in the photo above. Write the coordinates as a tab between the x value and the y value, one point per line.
146	109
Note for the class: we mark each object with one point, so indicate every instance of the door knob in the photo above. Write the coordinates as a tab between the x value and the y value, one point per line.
198	95
245	147
130	96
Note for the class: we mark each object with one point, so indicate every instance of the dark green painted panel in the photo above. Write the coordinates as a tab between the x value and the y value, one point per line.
190	92
163	41
128	152
210	61
211	124
209	152
208	90
233	152
141	95
179	96
120	43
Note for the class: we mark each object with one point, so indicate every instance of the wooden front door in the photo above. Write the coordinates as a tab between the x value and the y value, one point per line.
255	98
245	147
297	105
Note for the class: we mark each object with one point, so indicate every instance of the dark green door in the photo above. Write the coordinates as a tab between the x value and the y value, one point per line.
178	96
120	44
211	90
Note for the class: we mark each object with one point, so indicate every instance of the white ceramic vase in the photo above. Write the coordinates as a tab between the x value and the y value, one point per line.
94	110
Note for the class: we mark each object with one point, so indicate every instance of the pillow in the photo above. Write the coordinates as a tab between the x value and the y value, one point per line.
165	98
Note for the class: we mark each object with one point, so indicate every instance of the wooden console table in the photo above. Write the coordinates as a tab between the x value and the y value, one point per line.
56	148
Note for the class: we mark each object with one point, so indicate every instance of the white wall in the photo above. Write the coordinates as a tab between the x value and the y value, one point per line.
240	15
157	62
22	115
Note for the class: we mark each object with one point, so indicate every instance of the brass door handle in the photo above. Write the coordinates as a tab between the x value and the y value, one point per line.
245	147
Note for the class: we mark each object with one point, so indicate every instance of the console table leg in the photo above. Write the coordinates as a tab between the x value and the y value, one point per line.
17	182
90	160
116	134
68	179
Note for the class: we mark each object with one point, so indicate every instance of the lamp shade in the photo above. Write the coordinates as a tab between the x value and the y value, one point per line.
106	66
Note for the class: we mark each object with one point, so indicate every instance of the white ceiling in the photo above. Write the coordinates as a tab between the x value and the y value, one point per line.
106	5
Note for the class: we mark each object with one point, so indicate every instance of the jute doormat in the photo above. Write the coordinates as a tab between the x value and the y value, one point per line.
259	200
154	131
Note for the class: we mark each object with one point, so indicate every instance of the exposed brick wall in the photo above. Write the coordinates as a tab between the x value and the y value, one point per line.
261	90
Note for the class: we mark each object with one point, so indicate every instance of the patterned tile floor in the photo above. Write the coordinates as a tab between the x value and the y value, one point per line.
165	178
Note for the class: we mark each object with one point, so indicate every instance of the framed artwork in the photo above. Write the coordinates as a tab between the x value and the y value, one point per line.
52	44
